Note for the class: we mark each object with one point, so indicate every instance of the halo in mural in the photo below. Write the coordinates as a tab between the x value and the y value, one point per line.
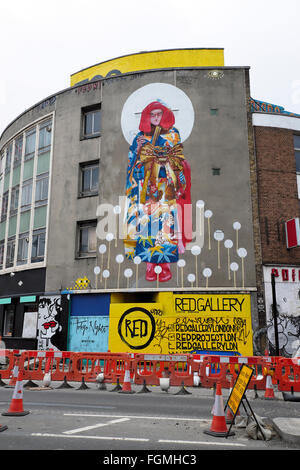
169	95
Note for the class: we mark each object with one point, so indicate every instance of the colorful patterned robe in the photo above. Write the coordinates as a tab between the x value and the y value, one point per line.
156	183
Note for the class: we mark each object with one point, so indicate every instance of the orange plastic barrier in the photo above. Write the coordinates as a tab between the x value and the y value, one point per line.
287	374
35	363
149	368
89	365
222	368
7	362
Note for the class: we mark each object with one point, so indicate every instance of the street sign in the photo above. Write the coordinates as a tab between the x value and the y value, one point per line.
239	388
237	396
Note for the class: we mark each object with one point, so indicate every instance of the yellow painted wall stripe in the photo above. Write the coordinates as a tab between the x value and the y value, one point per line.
153	60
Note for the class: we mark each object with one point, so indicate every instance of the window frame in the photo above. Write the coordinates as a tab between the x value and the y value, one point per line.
23	237
86	166
91	110
82	225
44	127
29	133
41	181
11	310
40	233
10	252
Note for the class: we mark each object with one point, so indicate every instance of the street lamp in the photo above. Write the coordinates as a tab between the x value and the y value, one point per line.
274	310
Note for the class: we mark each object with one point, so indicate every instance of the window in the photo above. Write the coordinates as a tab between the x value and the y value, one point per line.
1	253
41	190
30	144
86	239
91	122
38	246
14	200
10	252
89	179
26	195
4	206
18	150
297	157
8	158
23	248
45	136
8	324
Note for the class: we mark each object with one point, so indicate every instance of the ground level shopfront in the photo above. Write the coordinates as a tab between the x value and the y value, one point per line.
150	322
161	323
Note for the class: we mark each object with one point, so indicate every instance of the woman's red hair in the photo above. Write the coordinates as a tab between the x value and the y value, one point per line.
167	120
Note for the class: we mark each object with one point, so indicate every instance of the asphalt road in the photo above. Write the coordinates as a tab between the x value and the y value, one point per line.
143	424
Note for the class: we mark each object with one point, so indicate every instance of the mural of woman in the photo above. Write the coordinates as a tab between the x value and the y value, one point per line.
158	212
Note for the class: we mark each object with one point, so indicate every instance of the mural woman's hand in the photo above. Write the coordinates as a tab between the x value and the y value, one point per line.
140	142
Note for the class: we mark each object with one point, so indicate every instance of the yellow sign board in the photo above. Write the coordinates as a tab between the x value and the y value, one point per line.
239	388
149	61
182	324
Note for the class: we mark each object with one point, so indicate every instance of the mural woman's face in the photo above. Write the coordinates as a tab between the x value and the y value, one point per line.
155	116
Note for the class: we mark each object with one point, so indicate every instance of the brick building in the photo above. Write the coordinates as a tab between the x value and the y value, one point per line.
277	143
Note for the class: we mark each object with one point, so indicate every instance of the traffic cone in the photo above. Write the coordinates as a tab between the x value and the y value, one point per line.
218	426
269	393
16	405
126	384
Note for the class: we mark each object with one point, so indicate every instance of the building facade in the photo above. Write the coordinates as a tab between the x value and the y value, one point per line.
277	143
130	216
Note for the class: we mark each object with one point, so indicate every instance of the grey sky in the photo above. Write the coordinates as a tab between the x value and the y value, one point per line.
43	43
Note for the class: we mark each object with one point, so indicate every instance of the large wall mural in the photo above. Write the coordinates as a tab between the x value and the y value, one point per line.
162	231
158	183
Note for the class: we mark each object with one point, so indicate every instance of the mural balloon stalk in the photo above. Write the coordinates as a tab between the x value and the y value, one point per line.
119	260
102	250
208	214
196	250
228	244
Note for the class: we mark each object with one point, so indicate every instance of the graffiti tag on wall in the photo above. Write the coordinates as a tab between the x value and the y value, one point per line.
88	333
154	329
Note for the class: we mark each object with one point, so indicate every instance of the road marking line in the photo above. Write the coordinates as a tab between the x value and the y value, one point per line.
202	443
39	434
99	425
199	420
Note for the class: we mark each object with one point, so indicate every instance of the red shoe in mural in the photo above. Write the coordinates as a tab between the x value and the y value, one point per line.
166	274
150	274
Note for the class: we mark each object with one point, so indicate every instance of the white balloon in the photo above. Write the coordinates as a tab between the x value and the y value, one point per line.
234	266
128	272
242	252
106	273
102	249
119	259
218	235
200	204
96	270
157	269
207	272
181	263
208	214
191	277
236	226
228	243
137	260
109	237
196	250
117	210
